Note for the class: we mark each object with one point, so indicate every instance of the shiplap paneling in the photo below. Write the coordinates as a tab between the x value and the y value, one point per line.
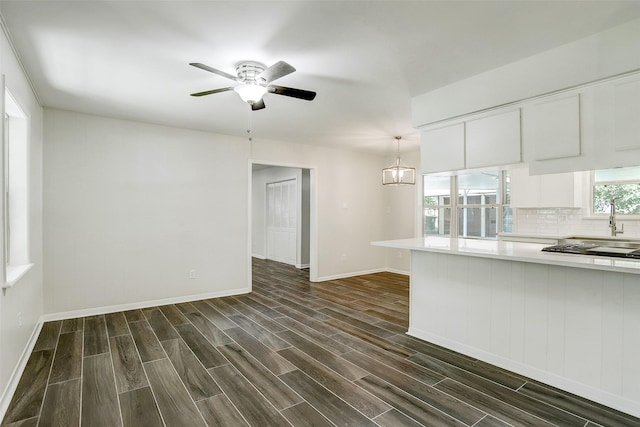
631	338
578	329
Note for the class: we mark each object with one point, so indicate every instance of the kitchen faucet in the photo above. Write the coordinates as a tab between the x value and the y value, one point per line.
612	220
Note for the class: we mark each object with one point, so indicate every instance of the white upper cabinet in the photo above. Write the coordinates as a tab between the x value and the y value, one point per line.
626	115
542	191
611	123
493	140
478	142
595	126
552	128
442	149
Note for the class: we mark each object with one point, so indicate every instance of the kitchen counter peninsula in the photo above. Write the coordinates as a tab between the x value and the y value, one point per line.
513	251
571	321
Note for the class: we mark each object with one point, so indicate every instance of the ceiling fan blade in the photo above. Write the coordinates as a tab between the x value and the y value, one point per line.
307	95
209	92
258	105
277	70
213	70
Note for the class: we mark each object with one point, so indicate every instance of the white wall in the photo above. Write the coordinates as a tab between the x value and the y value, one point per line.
21	306
130	208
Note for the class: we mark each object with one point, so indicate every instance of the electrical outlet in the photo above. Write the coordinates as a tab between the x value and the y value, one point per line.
192	274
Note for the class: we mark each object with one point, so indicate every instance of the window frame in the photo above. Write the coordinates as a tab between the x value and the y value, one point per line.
424	207
497	205
13	271
604	215
455	206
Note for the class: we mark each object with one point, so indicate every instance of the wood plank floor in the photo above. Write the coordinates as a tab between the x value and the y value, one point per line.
290	353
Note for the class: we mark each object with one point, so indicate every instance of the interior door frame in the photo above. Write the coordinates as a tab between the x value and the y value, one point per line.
313	214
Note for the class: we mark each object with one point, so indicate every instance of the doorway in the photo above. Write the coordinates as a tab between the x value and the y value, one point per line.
282	222
282	215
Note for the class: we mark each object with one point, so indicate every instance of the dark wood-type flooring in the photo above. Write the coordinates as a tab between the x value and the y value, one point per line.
291	352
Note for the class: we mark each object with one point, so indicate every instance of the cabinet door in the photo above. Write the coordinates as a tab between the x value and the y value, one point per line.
442	149
627	115
525	189
542	191
553	128
556	190
494	140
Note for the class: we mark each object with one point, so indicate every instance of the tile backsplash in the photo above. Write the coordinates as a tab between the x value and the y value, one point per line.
562	221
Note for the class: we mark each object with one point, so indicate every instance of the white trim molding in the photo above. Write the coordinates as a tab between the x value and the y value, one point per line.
14	379
360	273
143	304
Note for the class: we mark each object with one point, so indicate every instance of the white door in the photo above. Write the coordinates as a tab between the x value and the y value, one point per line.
282	218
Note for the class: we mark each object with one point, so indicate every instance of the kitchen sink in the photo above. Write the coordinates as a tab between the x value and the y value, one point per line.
602	246
602	241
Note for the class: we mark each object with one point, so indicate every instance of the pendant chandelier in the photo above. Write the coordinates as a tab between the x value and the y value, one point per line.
398	174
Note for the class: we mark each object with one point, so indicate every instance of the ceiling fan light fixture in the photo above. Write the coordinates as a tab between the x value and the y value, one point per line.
398	173
254	81
250	92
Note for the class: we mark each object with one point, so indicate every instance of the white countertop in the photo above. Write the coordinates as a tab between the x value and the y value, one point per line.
512	251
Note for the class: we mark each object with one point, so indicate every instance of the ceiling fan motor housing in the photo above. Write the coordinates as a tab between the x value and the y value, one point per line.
248	71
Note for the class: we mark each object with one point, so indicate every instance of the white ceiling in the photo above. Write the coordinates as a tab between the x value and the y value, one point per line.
365	59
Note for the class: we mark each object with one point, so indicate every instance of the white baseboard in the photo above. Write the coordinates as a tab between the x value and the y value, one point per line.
361	273
301	266
608	399
14	379
402	272
258	256
355	273
137	305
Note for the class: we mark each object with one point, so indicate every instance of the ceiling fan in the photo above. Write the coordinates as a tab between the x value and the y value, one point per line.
255	81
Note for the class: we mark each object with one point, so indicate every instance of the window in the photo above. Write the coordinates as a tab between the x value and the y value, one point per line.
16	222
478	204
437	205
481	206
621	184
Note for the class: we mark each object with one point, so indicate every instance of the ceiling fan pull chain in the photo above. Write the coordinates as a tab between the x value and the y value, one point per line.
249	126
